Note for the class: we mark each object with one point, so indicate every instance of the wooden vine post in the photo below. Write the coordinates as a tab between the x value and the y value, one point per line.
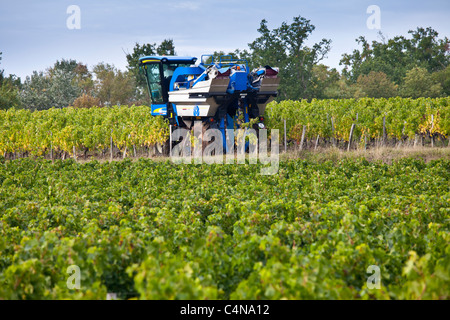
333	139
351	133
303	137
51	146
350	137
111	144
431	131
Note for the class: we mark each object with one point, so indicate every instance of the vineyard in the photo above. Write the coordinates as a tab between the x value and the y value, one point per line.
59	133
156	230
388	120
69	130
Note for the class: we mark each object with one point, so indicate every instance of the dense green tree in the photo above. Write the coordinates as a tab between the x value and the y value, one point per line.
34	94
166	48
113	86
322	79
11	80
63	88
396	56
104	74
9	90
58	87
342	89
43	91
427	50
64	65
419	83
82	78
375	85
9	97
443	77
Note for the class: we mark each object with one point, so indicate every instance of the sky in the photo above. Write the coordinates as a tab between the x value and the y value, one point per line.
35	34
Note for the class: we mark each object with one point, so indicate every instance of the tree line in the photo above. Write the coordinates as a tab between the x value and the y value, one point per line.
413	66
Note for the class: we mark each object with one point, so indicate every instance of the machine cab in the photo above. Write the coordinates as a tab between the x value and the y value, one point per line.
158	71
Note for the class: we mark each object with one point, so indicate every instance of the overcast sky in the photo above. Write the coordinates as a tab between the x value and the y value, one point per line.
34	34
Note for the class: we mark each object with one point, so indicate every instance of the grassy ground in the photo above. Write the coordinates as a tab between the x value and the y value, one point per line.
384	154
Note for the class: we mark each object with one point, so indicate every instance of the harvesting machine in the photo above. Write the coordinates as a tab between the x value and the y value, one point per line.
221	94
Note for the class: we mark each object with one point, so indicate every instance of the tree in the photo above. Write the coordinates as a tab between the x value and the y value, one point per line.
34	94
322	79
43	91
9	97
342	89
284	47
9	90
398	55
113	86
63	90
166	48
419	83
65	66
443	77
104	74
86	101
58	87
375	85
82	78
11	80
428	50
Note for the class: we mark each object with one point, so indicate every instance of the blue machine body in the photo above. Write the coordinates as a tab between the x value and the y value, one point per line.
215	92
